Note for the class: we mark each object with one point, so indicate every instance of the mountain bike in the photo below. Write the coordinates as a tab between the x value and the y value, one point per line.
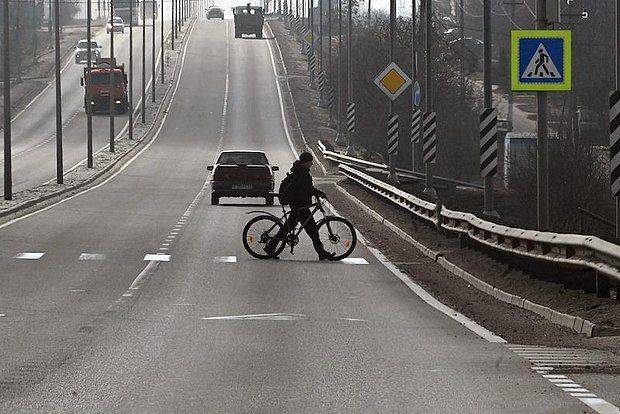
336	233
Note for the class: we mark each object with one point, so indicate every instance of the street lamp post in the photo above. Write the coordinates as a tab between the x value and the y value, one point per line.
89	116
130	112
153	78
112	72
6	72
59	164
143	107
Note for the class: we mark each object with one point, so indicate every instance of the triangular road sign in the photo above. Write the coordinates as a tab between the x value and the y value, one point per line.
541	66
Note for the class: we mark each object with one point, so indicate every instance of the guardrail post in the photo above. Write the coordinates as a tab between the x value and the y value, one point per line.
602	286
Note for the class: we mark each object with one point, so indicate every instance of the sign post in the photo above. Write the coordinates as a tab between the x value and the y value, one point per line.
392	81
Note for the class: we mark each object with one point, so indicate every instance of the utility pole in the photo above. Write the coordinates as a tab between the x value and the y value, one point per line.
392	176
173	28
143	62
130	112
339	135
321	37
349	73
6	72
112	74
429	190
369	7
489	209
153	77
89	65
329	58
617	39
414	73
59	164
542	206
462	48
162	42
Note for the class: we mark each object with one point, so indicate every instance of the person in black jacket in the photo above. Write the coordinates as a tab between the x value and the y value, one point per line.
300	195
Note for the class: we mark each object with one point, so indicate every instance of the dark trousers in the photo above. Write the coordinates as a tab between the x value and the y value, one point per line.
299	215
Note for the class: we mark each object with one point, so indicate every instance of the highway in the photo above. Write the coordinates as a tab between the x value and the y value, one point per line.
34	128
90	326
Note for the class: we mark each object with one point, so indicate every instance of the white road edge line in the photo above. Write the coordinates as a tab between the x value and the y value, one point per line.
597	404
129	162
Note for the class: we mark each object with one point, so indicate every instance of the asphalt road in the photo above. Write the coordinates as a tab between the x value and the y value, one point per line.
34	129
115	333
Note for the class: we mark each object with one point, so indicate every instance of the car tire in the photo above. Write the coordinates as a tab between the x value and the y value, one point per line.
269	200
259	35
237	35
215	199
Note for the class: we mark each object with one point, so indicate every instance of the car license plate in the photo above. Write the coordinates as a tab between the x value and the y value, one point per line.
241	187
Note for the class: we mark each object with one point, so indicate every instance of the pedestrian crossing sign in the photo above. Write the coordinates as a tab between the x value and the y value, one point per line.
540	60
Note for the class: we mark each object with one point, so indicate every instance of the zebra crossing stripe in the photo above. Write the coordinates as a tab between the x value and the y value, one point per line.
488	142
429	137
614	142
351	116
392	134
416	118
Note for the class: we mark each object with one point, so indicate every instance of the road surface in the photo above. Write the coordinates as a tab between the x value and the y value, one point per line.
92	327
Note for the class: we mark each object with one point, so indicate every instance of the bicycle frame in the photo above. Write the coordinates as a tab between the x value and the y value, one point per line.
318	206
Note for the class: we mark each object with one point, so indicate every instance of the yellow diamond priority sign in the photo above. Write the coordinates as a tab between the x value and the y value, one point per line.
393	81
308	37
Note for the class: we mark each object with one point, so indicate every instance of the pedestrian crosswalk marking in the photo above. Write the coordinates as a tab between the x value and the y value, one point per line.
541	65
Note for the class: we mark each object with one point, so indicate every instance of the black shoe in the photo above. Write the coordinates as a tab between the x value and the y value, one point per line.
326	256
270	252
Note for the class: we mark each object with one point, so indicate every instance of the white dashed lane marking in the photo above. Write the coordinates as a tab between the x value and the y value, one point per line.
29	256
225	259
157	257
92	256
354	261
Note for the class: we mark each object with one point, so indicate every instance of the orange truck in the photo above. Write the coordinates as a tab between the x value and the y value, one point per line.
97	87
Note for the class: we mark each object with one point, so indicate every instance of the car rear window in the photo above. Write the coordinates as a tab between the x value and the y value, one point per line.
242	158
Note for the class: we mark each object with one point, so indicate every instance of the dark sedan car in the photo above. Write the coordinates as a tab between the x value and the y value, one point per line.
242	174
215	13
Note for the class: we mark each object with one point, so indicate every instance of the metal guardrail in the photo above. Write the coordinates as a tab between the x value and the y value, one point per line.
570	249
357	162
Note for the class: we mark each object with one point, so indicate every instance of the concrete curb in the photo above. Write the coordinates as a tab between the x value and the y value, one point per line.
28	206
574	323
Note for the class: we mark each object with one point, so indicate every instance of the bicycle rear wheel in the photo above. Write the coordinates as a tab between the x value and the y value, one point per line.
258	232
338	236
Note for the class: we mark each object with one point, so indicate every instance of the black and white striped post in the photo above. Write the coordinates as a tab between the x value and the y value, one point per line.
350	117
614	152
392	134
414	135
323	90
312	63
429	137
488	156
429	148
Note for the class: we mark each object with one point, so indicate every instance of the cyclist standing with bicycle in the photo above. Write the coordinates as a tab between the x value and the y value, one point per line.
298	193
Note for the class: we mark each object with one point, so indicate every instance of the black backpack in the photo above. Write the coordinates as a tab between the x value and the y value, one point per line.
286	189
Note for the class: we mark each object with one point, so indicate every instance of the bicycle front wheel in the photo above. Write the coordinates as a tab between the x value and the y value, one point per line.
338	236
258	232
